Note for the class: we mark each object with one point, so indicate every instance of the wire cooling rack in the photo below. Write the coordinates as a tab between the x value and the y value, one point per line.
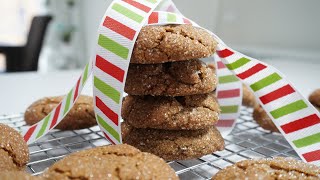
246	141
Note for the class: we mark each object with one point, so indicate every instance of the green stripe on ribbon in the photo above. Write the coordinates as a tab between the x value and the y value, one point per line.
152	1
108	128
227	79
44	126
265	82
84	77
229	109
287	109
66	108
107	90
171	17
113	46
307	141
127	12
238	63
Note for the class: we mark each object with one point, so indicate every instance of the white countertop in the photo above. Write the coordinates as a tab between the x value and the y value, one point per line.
18	90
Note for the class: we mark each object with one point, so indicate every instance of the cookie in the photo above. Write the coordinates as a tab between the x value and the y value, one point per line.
80	116
111	162
17	175
276	168
14	152
170	79
174	145
159	44
171	113
262	118
314	98
248	98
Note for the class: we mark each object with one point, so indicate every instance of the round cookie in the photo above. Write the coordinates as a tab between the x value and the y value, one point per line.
80	116
276	168
171	113
110	162
314	99
17	175
174	145
171	79
159	44
248	98
14	152
262	118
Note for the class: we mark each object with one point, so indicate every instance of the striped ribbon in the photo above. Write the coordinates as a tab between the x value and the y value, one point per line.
294	116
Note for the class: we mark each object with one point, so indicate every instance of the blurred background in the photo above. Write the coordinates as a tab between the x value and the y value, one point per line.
264	29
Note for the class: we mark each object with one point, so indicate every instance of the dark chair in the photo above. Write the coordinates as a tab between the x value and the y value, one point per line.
25	58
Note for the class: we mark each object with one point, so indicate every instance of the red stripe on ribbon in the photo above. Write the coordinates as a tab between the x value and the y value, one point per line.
225	123
312	156
224	53
301	123
77	89
109	68
109	139
153	18
107	111
186	21
281	92
221	65
119	28
138	5
251	71
29	133
56	115
229	93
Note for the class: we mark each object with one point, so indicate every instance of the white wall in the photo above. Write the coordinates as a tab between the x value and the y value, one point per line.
287	24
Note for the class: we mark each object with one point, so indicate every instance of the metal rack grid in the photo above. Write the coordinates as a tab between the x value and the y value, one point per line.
246	141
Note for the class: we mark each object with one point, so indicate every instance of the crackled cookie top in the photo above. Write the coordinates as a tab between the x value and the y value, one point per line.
14	152
276	168
158	44
80	116
174	144
171	79
111	162
171	113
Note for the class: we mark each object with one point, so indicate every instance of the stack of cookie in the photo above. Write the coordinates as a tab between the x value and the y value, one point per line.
171	109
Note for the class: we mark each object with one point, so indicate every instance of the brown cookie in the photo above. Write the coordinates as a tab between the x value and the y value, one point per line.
171	113
248	98
80	116
14	152
170	79
262	118
276	168
17	175
314	98
111	162
174	145
159	44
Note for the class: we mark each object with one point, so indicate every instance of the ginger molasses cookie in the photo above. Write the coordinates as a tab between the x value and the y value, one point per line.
248	98
80	116
262	118
171	113
111	162
17	175
171	79
276	168
314	98
159	44
174	144
14	152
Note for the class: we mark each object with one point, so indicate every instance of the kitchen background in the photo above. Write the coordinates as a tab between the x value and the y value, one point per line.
269	30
